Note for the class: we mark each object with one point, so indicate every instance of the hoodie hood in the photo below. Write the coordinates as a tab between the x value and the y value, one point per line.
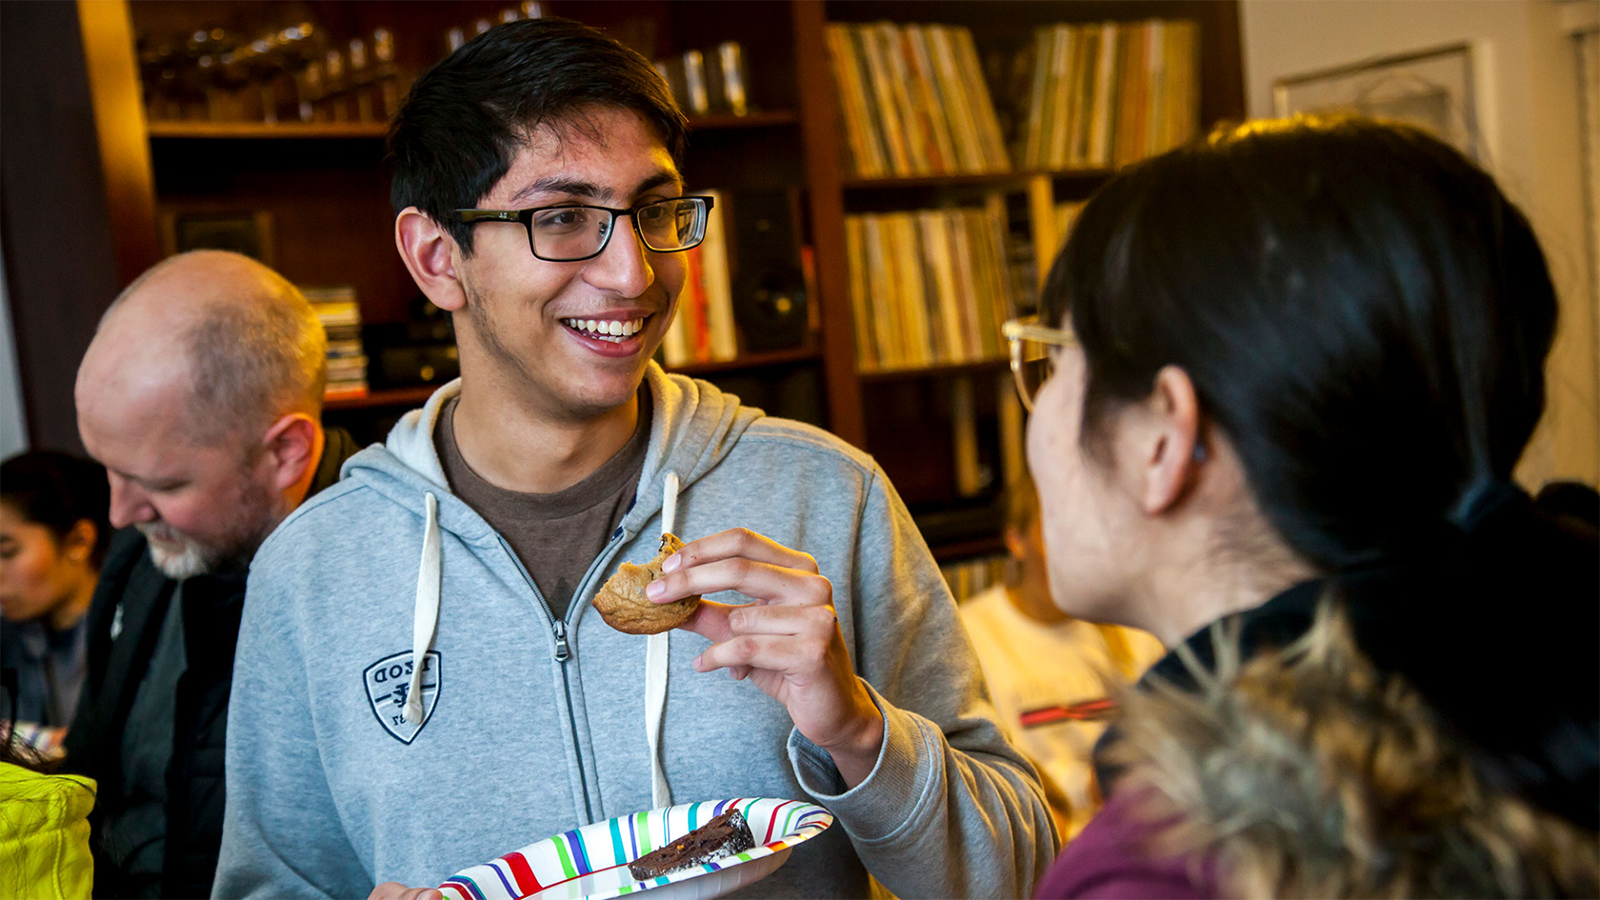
693	427
1308	772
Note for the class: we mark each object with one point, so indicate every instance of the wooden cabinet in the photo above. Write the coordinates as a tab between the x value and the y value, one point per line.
324	188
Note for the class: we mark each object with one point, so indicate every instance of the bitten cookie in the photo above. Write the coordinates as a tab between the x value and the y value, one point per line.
622	603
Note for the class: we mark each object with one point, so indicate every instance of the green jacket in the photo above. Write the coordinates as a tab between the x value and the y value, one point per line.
44	834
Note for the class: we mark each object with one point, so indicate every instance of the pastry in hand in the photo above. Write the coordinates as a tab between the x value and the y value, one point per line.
622	603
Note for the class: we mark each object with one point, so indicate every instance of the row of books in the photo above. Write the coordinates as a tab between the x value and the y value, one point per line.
704	329
973	475
1110	93
929	287
340	314
914	101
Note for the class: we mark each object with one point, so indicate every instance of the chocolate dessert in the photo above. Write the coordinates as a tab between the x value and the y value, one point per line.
721	837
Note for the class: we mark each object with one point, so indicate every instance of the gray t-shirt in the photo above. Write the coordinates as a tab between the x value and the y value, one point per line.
136	839
556	536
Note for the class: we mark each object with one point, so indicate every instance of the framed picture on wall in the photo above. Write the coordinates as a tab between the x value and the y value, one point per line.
242	231
1432	89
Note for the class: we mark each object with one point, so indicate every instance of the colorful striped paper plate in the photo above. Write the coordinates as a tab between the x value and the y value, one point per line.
592	861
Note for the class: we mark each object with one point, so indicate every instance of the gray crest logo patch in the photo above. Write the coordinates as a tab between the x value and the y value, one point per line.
389	681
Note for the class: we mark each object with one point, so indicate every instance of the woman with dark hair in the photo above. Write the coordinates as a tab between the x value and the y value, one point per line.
53	533
1280	380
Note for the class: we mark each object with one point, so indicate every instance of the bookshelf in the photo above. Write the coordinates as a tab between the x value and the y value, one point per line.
325	188
161	130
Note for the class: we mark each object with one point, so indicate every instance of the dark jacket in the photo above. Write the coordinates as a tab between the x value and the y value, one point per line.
1425	727
212	604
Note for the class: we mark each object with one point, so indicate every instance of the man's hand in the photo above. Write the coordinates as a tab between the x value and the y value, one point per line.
394	890
787	642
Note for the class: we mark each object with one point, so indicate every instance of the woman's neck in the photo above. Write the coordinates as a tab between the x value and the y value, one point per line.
70	611
1186	598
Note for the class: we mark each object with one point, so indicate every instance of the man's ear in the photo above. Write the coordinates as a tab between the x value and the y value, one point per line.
1171	449
293	447
429	253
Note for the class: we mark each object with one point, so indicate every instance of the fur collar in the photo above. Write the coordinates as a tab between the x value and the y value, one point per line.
1309	772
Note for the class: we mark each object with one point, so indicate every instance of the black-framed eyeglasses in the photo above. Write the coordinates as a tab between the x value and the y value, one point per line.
573	233
1032	359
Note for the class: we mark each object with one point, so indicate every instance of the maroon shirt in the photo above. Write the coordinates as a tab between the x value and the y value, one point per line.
1108	860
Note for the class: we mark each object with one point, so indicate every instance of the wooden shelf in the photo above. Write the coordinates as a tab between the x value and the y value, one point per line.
749	120
997	179
263	130
407	396
984	546
377	130
750	361
416	396
946	369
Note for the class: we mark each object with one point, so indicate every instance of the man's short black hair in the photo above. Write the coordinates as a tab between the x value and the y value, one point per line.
459	129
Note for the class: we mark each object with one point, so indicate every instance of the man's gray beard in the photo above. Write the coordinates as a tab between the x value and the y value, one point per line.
260	515
192	557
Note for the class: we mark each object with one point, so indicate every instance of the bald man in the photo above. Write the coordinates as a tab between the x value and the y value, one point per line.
201	393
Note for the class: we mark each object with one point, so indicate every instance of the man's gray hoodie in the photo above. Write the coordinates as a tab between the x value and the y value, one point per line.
530	726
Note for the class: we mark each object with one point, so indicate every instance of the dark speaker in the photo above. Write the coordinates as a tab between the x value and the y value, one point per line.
769	290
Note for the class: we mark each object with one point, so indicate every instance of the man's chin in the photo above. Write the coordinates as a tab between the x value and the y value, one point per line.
179	561
180	557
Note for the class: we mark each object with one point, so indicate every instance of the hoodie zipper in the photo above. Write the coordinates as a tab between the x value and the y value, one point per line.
561	642
563	653
564	649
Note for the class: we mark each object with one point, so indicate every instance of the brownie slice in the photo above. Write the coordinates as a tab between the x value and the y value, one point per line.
721	837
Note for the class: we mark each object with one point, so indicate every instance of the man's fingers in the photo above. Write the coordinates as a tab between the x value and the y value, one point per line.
792	620
719	622
736	542
710	621
759	580
772	652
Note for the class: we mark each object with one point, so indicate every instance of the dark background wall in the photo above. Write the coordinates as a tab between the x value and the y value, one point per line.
61	263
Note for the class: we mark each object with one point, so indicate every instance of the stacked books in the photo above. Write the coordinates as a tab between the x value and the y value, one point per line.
703	330
929	287
914	101
1110	93
340	314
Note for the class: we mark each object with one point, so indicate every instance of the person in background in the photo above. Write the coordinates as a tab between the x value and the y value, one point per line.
1050	674
53	535
1289	373
201	393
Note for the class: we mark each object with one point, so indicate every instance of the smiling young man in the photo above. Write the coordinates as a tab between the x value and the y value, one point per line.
422	683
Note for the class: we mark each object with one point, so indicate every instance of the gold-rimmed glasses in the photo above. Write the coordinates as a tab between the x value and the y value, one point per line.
1033	353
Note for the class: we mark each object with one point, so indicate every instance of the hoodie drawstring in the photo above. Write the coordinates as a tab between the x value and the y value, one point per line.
656	656
425	617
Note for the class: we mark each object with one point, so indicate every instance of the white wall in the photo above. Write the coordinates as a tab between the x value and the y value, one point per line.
13	428
1528	107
